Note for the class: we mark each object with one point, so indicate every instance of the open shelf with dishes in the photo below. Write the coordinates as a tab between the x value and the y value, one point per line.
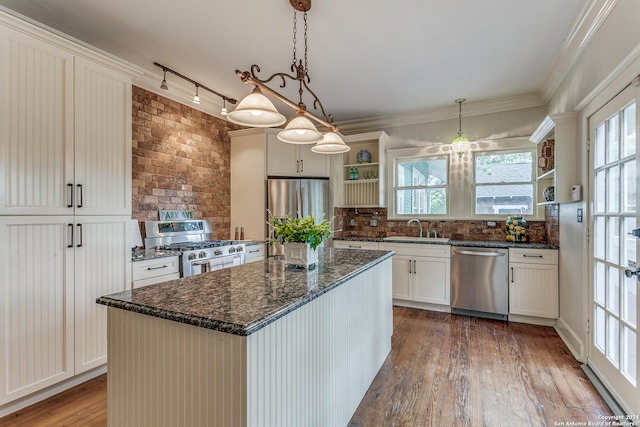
359	174
556	173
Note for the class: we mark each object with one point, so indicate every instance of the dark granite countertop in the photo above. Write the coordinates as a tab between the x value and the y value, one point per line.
241	300
145	254
452	242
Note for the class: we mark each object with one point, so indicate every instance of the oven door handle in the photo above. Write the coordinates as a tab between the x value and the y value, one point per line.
205	265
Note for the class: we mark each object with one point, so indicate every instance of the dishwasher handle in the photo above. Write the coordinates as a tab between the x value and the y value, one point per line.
474	253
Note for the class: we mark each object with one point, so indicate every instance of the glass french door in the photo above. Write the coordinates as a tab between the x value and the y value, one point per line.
613	338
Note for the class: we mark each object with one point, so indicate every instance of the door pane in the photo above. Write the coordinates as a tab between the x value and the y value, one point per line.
629	130
600	283
629	242
630	357
599	329
613	296
629	301
613	153
613	189
599	193
599	146
613	340
613	239
629	186
600	241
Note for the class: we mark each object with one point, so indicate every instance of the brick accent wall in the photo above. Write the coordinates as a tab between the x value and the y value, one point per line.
181	160
459	230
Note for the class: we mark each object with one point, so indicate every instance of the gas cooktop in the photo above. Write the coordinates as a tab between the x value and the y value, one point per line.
192	246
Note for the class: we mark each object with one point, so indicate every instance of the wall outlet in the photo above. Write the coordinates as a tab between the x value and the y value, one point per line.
579	215
491	224
352	222
373	222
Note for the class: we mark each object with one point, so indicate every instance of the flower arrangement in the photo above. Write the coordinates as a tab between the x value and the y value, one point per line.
299	230
516	229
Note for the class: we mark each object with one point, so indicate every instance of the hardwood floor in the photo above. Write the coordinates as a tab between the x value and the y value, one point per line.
443	370
449	370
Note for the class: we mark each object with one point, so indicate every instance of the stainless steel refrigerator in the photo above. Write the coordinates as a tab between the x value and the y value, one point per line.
298	198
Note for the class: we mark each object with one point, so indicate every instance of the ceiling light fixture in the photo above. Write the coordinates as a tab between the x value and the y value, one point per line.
163	85
224	110
196	98
460	144
252	109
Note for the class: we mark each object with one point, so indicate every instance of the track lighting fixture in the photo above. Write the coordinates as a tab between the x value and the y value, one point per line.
256	110
196	97
224	111
164	81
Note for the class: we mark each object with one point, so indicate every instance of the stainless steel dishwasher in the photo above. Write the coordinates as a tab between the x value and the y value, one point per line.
480	281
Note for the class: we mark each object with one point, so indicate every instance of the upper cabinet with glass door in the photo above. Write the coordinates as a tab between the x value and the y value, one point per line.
557	172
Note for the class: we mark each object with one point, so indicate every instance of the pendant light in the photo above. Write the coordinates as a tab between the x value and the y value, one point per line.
331	144
196	98
300	130
460	144
255	110
163	85
224	110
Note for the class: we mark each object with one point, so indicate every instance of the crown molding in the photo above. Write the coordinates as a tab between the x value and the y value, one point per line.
591	18
478	108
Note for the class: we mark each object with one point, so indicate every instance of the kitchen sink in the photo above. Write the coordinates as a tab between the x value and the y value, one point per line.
419	239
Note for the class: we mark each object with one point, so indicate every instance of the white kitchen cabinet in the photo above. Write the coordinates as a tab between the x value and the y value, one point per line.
533	283
421	273
156	270
65	139
295	160
65	203
36	304
254	253
248	185
101	268
355	244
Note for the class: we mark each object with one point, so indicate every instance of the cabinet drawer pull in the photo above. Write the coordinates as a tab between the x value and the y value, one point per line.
80	233
355	247
531	256
80	198
410	272
254	251
414	266
70	200
297	166
70	244
511	274
301	165
157	268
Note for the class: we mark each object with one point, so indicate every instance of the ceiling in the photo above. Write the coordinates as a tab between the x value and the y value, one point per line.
367	58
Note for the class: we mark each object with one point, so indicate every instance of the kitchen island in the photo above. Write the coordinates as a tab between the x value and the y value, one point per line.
260	344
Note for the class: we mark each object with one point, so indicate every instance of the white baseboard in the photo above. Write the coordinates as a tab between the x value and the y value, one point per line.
572	340
16	405
422	305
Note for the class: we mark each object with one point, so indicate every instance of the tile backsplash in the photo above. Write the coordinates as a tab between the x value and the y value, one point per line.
537	231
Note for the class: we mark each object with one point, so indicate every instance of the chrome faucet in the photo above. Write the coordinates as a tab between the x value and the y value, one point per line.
435	233
418	221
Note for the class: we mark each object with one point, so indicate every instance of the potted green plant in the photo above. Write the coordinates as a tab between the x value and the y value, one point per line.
300	237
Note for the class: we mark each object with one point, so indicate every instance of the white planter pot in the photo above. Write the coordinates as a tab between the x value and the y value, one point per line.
300	254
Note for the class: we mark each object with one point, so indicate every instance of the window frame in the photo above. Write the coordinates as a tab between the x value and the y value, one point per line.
414	156
535	215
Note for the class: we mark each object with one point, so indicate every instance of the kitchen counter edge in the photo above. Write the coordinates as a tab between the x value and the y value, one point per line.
452	242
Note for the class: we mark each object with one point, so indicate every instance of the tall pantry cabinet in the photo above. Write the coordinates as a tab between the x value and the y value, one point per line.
65	204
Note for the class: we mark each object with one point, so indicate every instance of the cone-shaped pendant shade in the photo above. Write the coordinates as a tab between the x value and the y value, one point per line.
331	144
300	130
255	110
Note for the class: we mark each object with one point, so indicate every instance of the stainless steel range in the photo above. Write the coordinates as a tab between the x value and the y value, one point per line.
192	239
